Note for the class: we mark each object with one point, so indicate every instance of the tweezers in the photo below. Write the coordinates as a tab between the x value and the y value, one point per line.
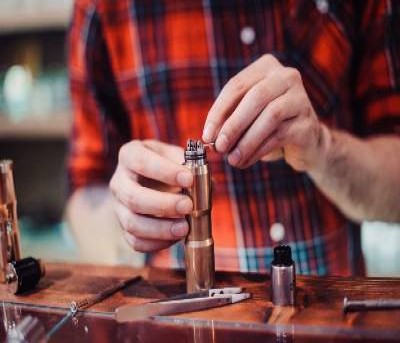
181	304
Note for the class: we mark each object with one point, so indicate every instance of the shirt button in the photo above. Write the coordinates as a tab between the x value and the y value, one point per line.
247	35
322	6
277	232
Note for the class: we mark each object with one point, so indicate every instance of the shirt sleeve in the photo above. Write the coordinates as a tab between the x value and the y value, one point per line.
378	69
100	122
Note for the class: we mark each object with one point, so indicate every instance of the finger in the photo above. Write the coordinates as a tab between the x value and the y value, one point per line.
273	143
139	159
147	227
277	111
145	200
233	92
171	152
146	245
274	155
255	100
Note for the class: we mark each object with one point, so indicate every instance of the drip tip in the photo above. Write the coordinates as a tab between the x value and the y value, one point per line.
194	150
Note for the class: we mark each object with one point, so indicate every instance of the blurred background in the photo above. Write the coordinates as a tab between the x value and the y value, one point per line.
35	119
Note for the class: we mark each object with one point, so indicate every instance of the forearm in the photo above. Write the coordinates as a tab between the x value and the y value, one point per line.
362	177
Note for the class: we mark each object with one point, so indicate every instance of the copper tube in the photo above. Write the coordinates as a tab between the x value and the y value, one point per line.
10	249
199	244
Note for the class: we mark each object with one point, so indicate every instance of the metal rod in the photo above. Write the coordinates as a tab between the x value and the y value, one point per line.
209	145
370	304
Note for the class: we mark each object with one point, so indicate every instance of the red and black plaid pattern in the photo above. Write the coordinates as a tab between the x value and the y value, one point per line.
152	68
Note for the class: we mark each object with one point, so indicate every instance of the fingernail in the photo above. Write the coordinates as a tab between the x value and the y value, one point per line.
234	157
222	143
180	229
184	178
184	206
208	133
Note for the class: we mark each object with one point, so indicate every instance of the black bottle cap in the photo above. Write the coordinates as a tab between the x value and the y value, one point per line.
282	255
23	275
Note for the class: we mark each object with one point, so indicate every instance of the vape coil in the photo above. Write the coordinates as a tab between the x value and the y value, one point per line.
199	244
283	277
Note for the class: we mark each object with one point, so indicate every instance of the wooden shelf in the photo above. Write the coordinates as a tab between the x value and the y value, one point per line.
57	126
20	19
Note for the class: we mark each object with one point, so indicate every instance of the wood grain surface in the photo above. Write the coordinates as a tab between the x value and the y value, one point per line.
319	300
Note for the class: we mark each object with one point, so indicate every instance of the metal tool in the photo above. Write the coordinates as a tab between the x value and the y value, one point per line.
206	293
370	304
181	304
90	301
199	244
10	247
283	277
76	306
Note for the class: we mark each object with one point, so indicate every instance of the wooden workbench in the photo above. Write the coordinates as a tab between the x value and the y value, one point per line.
317	316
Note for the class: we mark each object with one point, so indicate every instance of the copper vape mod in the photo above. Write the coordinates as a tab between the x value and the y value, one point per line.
199	244
283	277
21	275
10	249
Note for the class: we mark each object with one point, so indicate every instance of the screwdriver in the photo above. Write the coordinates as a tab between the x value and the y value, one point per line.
75	306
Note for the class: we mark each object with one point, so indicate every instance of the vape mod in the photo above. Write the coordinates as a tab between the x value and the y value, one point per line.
283	277
21	275
9	233
199	244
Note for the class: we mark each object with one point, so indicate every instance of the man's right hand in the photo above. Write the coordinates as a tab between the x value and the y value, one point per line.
146	186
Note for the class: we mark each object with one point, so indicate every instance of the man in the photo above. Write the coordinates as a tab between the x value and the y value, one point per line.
276	85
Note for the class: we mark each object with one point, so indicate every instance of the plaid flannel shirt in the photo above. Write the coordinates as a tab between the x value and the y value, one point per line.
152	68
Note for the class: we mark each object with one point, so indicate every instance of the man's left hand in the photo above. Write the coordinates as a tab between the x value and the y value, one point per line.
262	112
